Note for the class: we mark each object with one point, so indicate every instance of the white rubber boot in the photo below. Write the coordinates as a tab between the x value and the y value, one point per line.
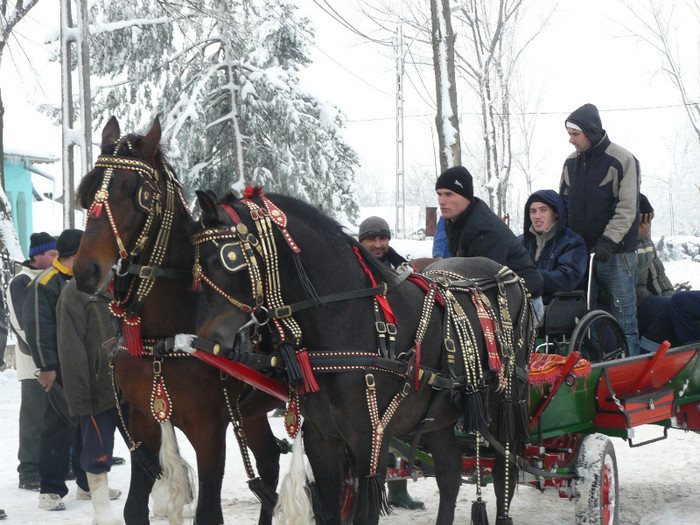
102	508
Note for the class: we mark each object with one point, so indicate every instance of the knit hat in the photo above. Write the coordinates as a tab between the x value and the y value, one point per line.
646	211
456	179
374	227
68	242
41	242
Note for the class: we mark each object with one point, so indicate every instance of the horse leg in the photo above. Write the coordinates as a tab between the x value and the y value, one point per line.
326	456
504	486
264	446
208	438
144	429
448	473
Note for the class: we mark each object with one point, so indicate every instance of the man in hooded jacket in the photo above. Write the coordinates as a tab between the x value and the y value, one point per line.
559	253
600	186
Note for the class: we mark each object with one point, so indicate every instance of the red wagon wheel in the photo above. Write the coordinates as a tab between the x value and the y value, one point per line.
597	487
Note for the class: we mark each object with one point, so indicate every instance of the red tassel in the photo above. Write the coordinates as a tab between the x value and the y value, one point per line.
96	211
131	329
251	191
197	286
310	384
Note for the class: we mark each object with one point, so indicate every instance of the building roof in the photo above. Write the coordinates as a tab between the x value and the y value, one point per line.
19	156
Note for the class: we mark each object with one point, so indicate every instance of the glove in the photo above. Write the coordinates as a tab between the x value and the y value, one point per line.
601	254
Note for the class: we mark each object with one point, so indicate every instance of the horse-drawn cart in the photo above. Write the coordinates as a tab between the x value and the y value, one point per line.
574	414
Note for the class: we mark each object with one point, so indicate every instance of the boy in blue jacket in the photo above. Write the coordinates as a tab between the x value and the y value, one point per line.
558	252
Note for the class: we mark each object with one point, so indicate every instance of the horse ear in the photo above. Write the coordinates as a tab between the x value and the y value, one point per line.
110	133
150	142
210	211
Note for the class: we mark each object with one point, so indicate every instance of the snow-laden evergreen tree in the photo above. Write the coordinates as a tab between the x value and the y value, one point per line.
223	75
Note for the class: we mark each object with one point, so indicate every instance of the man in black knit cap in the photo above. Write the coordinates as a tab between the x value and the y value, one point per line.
473	230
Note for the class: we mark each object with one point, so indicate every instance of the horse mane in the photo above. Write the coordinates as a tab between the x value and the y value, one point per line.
125	147
323	223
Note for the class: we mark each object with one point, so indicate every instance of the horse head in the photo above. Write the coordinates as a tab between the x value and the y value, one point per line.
137	219
257	255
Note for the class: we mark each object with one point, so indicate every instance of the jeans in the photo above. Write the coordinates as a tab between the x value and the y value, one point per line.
685	315
617	278
654	319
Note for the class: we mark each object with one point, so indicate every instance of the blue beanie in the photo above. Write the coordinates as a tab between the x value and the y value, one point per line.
41	242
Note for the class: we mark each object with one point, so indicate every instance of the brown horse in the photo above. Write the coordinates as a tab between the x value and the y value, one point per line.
137	230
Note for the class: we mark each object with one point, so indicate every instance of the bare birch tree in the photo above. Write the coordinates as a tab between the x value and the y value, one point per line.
487	58
447	119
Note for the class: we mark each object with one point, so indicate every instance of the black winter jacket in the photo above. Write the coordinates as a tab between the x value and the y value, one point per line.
600	188
478	232
39	315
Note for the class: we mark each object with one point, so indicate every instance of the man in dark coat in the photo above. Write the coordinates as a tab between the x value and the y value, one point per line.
600	186
60	432
42	252
84	325
558	252
473	230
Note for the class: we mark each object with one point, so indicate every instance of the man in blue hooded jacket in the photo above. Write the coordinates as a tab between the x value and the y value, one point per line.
559	253
600	187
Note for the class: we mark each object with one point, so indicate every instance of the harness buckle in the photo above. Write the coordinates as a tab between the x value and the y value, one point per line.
282	312
381	327
391	329
449	345
369	380
156	367
384	288
147	272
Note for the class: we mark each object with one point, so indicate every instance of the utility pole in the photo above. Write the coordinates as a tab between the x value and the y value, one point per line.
400	179
77	134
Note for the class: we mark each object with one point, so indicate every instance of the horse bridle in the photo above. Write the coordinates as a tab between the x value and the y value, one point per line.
148	201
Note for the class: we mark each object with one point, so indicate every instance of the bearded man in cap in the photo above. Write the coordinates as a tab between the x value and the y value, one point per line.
600	186
473	230
375	236
60	432
42	252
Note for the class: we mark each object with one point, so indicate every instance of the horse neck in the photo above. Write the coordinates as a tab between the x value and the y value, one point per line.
169	307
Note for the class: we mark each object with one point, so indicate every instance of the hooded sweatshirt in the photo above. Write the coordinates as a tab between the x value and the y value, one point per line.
600	188
563	258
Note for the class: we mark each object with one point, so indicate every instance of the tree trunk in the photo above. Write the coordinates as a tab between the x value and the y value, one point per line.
447	120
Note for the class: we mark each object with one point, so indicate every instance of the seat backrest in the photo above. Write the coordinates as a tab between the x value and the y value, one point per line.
563	312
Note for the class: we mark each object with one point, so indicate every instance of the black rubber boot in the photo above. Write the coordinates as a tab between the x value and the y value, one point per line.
399	496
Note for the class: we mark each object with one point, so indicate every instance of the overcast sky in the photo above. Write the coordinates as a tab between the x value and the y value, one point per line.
583	56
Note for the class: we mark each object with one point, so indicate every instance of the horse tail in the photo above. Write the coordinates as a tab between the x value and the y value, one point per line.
177	473
294	504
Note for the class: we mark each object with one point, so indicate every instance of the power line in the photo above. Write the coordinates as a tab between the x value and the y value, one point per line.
474	114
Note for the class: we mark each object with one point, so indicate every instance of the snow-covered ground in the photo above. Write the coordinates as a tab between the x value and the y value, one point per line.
658	482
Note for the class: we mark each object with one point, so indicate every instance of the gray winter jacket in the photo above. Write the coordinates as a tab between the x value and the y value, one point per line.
84	323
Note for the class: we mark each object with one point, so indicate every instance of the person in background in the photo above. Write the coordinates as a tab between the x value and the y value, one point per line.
473	230
440	250
600	187
84	324
660	248
375	235
663	313
59	433
42	252
558	252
